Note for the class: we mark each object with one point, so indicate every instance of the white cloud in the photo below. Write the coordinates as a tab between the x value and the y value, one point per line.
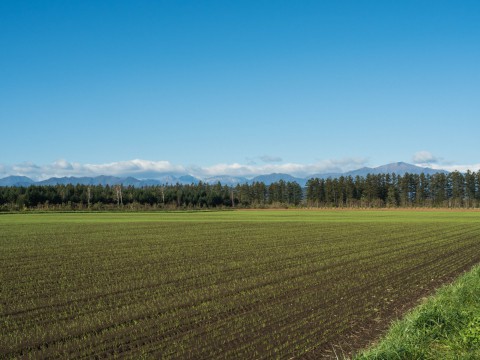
61	168
425	157
151	169
461	168
132	167
62	164
323	166
143	169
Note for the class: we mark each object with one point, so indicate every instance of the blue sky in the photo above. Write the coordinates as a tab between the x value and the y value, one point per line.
237	87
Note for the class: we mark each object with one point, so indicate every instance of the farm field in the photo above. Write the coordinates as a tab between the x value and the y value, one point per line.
229	284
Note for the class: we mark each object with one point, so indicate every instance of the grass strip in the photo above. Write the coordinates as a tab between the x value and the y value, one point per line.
445	326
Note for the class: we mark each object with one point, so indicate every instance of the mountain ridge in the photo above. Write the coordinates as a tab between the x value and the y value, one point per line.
399	168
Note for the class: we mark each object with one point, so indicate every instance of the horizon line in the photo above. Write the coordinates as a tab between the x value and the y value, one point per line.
143	170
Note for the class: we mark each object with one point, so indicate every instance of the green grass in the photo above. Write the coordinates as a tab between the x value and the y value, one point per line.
376	216
225	284
446	326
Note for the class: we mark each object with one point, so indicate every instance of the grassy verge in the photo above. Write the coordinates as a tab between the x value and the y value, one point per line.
446	326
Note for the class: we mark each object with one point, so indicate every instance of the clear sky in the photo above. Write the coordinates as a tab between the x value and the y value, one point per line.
238	87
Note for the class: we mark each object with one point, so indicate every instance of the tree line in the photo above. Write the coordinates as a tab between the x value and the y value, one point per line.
389	190
177	196
454	190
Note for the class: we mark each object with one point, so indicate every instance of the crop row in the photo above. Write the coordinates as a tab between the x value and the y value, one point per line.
215	289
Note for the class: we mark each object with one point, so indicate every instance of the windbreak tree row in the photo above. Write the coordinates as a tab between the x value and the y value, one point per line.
389	190
176	196
384	190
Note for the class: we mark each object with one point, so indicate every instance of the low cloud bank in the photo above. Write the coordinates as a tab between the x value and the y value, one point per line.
148	169
144	169
427	159
461	168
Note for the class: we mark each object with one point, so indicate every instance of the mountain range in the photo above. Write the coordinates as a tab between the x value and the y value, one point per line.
399	168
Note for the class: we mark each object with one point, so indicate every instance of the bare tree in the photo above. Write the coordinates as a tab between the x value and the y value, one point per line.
118	189
88	196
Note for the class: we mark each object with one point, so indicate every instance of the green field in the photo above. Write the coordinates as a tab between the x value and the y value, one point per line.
230	284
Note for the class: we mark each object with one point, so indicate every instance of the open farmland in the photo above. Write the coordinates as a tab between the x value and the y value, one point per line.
237	284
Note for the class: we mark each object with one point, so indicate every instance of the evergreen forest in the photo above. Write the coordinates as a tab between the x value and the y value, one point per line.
452	190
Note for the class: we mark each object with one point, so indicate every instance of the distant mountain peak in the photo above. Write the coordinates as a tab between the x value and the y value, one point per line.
399	168
14	180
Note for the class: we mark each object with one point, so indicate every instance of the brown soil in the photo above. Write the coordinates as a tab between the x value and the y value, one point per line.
368	333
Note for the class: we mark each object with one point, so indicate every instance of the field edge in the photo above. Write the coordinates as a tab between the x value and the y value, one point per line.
446	325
